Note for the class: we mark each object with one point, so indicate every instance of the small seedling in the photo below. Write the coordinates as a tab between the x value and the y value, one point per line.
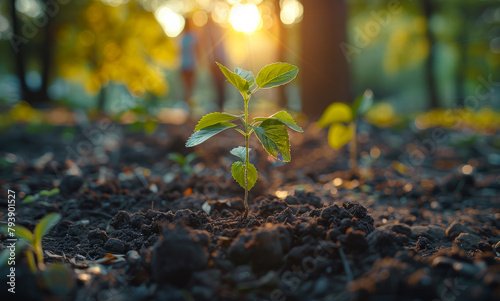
342	119
34	240
271	131
46	193
184	162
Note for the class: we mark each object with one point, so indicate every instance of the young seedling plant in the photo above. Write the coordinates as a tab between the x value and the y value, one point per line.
342	119
271	131
45	193
34	240
184	162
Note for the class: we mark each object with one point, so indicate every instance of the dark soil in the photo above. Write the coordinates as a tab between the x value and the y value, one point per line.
134	227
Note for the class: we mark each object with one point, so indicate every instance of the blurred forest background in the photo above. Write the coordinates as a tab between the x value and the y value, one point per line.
125	57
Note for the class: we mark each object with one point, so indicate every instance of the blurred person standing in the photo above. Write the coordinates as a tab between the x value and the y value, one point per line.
216	53
189	44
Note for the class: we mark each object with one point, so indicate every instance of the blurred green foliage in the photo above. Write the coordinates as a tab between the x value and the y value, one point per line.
101	53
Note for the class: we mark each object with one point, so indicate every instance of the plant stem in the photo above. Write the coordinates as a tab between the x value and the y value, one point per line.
39	255
353	149
247	138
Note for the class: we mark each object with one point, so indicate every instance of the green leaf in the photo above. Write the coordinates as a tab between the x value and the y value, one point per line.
177	158
241	132
213	118
30	258
238	172
20	232
339	135
247	75
274	138
43	193
207	133
150	126
276	74
362	103
49	193
54	191
30	199
46	224
240	152
334	113
284	118
191	157
240	83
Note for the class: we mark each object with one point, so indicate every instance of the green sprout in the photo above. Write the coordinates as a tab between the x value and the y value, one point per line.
46	193
271	131
34	240
342	119
184	161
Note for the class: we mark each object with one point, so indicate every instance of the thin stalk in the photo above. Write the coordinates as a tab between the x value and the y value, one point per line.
247	138
353	149
39	255
31	261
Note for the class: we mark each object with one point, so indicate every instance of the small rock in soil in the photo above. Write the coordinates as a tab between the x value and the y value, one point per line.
76	230
97	237
137	220
329	213
114	245
262	249
178	254
354	241
120	220
423	243
291	200
433	233
401	229
270	207
466	242
484	246
62	228
384	242
286	217
70	184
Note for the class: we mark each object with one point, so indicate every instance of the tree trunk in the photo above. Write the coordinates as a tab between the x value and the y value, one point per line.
17	41
46	58
462	67
101	100
34	98
430	77
324	71
282	37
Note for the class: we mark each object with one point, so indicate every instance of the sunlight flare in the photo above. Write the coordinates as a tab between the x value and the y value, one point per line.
245	17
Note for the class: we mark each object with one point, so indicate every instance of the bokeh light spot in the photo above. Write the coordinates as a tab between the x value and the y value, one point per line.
467	169
245	17
171	22
337	181
200	18
291	11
